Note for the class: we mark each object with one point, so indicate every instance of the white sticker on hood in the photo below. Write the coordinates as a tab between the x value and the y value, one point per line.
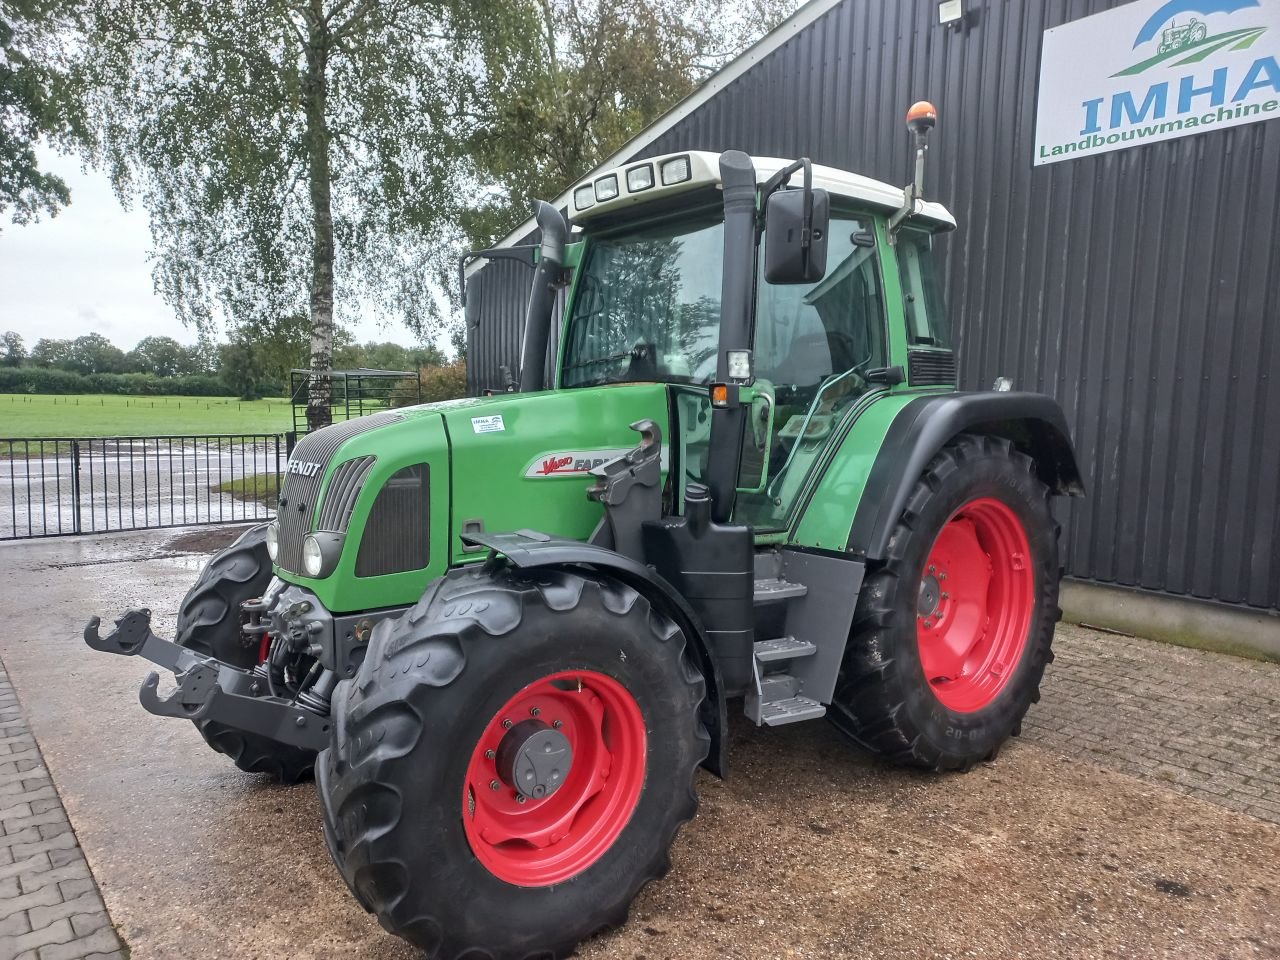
491	424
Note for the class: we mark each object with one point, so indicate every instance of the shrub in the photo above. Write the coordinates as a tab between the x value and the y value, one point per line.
52	380
446	382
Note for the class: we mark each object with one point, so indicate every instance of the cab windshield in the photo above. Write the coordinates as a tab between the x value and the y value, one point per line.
648	307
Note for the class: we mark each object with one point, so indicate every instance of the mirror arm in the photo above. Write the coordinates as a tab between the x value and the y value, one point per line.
781	179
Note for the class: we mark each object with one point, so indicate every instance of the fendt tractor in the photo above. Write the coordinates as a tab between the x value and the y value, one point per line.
506	631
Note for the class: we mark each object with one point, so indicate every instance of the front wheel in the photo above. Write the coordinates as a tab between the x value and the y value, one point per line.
954	630
512	762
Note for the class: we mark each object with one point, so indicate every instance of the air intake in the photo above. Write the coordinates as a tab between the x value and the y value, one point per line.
931	368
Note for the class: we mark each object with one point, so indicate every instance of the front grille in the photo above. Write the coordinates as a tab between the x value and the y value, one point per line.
931	368
340	497
298	491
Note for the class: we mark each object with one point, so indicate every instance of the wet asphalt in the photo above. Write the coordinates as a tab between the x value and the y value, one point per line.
807	850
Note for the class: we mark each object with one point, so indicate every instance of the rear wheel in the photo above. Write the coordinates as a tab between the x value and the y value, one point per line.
953	631
512	762
209	622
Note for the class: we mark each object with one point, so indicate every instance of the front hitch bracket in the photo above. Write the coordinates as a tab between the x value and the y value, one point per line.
207	689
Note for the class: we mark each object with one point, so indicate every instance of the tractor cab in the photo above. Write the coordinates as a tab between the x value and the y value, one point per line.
827	324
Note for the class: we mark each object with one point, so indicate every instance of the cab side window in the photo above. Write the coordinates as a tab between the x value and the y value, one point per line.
922	303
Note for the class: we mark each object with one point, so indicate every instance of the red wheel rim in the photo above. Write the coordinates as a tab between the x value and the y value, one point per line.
975	605
539	842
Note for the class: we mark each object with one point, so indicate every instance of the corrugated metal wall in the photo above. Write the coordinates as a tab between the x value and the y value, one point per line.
1141	287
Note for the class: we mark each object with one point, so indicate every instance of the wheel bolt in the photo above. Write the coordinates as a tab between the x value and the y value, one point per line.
946	596
489	754
928	623
534	711
507	724
932	568
494	785
520	798
557	724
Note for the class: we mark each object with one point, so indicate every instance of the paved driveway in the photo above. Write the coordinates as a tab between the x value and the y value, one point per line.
808	850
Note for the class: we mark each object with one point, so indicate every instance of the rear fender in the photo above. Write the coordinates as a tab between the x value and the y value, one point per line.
529	550
1033	422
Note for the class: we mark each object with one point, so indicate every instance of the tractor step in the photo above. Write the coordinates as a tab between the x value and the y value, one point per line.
791	710
783	648
775	589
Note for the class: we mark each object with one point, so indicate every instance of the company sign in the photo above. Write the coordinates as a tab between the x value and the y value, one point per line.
1155	70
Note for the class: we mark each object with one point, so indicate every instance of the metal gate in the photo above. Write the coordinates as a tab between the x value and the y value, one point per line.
62	486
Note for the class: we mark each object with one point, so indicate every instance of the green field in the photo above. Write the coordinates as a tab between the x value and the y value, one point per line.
110	415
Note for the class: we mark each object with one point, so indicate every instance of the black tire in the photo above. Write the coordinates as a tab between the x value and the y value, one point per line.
883	699
405	727
209	622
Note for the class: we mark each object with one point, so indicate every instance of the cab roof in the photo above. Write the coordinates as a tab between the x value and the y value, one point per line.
611	190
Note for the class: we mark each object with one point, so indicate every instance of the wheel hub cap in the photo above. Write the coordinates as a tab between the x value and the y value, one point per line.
534	758
930	594
554	778
975	605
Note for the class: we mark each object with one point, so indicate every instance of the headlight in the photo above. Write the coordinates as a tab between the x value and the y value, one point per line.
640	178
321	552
607	188
273	540
312	557
676	171
584	197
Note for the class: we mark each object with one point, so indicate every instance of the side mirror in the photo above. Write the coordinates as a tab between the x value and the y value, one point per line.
795	251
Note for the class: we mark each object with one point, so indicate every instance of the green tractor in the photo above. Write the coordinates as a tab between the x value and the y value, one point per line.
505	632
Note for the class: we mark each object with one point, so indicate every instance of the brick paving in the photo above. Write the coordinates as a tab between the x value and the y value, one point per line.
1204	724
50	908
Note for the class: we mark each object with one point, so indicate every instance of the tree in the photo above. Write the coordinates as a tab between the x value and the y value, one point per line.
94	353
579	78
240	369
51	353
163	356
15	350
33	106
273	141
458	340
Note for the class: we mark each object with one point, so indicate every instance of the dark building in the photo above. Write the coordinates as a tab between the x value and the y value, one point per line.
1139	286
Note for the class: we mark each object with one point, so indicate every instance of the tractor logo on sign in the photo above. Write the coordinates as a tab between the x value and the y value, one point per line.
1188	43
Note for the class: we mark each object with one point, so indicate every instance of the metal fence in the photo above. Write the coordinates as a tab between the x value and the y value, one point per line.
68	485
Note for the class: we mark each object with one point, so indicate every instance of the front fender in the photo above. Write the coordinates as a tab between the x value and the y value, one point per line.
1033	422
530	550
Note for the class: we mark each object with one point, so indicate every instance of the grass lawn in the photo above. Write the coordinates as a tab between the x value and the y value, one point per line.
262	487
109	415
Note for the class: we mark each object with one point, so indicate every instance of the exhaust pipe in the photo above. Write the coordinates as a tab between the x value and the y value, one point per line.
542	297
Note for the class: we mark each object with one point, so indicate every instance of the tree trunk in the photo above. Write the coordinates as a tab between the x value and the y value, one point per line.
316	97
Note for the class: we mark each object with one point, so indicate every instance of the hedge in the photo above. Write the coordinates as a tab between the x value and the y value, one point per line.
48	380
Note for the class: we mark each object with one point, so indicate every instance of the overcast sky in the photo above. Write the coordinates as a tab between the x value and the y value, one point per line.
86	270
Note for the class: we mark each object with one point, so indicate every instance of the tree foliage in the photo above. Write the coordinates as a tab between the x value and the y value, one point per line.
575	79
292	154
35	104
14	349
163	356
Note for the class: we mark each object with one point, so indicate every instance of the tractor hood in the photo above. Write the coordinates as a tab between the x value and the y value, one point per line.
388	496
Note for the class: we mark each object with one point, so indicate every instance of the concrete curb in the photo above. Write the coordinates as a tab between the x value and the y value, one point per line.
1179	620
